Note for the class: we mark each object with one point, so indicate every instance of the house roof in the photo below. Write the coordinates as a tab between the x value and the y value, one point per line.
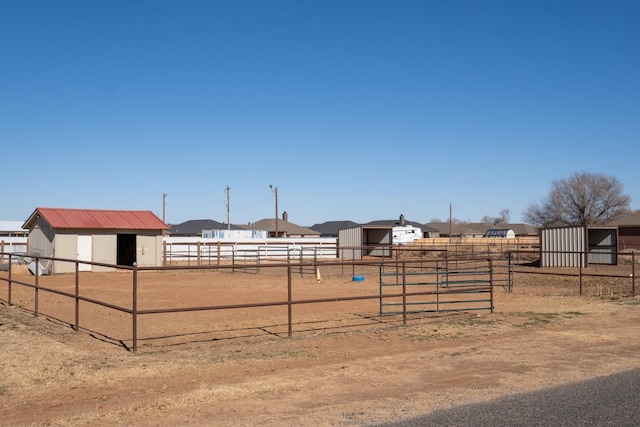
333	227
457	228
523	229
196	226
392	222
631	219
479	228
283	227
97	219
396	223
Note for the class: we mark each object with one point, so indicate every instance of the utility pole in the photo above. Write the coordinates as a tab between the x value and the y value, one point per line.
227	202
275	190
164	204
450	222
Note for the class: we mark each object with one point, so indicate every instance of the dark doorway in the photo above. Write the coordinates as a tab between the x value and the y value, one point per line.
126	249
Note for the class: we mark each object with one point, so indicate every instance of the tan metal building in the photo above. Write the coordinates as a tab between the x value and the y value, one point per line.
365	240
575	246
101	236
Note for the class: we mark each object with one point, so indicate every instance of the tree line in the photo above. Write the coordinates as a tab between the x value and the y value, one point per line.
581	199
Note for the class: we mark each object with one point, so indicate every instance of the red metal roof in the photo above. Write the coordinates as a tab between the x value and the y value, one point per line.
99	219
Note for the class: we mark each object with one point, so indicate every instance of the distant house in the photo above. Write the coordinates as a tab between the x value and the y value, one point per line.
12	229
104	236
474	230
628	231
522	230
401	225
195	227
331	228
283	226
459	230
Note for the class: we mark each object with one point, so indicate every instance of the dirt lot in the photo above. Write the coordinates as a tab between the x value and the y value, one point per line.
343	366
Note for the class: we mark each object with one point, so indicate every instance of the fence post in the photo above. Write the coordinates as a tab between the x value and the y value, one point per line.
134	308
233	259
218	247
633	273
514	256
404	293
580	270
289	304
491	282
397	265
164	253
77	291
35	296
9	287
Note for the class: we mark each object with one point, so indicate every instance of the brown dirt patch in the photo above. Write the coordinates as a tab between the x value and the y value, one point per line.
343	366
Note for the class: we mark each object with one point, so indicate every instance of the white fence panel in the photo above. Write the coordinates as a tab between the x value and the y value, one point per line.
189	248
9	244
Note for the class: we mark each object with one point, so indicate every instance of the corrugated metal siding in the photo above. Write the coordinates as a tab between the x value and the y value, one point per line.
348	240
101	219
561	247
603	246
564	247
378	242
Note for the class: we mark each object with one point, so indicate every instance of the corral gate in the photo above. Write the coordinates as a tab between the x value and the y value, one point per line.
444	286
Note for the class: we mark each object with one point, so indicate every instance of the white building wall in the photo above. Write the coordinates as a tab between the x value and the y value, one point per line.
149	251
104	251
65	246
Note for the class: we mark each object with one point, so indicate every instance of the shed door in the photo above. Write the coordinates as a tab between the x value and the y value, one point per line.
126	249
84	252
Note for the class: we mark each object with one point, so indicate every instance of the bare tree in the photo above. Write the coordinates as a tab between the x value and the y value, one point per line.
582	199
503	218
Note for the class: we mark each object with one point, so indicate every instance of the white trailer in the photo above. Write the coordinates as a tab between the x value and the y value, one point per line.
403	235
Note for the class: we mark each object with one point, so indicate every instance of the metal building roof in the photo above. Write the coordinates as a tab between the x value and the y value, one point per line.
97	219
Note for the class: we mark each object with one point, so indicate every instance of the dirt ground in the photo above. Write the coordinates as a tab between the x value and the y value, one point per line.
343	366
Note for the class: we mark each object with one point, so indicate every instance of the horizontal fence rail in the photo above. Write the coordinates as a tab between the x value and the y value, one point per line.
200	251
36	283
411	281
443	286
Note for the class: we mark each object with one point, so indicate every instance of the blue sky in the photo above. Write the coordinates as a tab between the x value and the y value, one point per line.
355	110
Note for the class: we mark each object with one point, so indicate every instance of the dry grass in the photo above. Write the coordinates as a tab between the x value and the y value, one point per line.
372	371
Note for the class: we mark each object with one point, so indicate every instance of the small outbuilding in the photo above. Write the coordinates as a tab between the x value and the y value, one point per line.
104	236
500	233
576	246
365	240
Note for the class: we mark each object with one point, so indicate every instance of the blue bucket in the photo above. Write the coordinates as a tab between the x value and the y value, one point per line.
357	279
